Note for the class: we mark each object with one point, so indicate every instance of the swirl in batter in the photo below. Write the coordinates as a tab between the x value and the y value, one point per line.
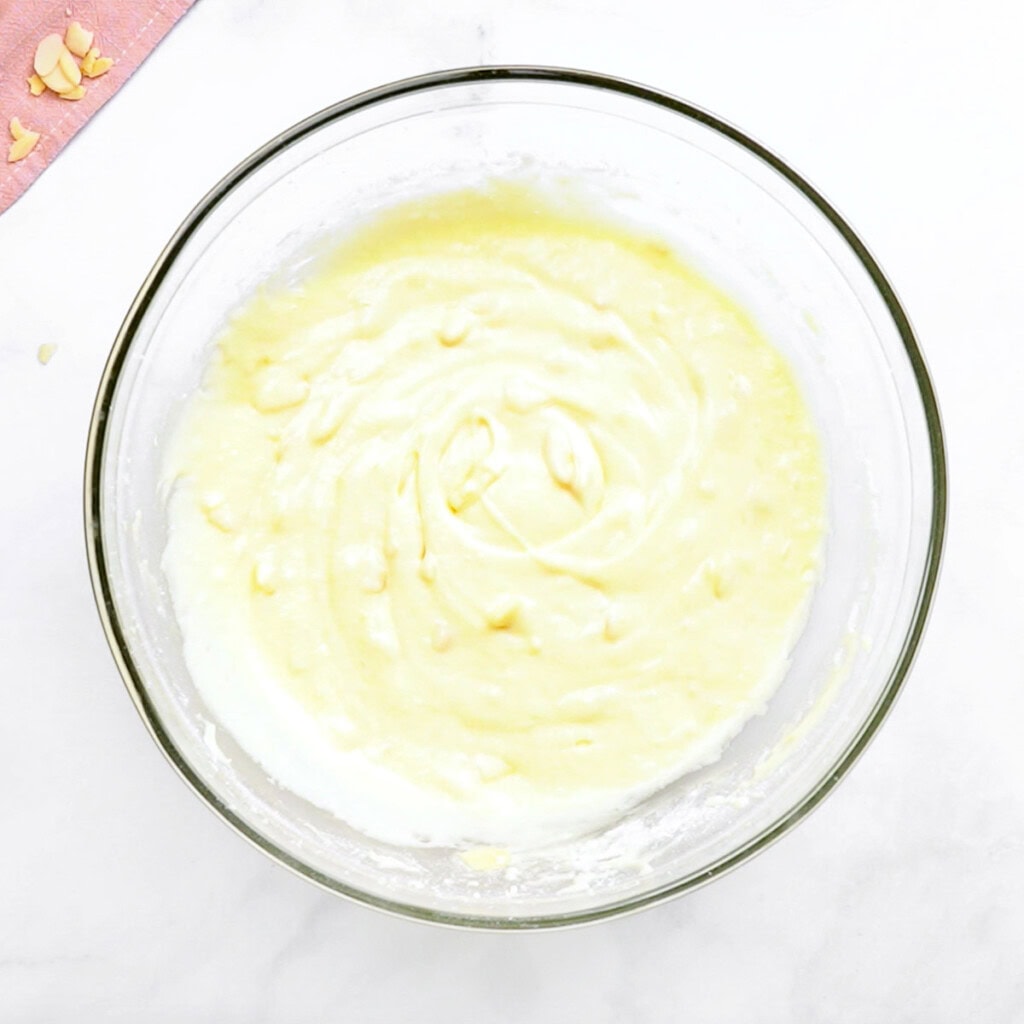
498	522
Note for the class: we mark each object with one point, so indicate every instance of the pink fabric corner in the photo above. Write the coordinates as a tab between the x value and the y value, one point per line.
126	30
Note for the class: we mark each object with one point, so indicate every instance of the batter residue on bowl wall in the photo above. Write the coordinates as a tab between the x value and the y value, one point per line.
497	523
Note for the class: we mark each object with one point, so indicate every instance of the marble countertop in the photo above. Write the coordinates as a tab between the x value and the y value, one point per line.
901	899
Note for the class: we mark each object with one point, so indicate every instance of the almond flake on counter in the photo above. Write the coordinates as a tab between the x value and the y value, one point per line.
97	65
69	68
24	141
77	39
48	54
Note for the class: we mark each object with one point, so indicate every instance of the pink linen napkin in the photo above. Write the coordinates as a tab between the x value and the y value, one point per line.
126	30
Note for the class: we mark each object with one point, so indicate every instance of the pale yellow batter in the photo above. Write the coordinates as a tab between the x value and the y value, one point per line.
498	522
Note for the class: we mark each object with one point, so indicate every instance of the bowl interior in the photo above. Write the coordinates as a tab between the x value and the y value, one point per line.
739	218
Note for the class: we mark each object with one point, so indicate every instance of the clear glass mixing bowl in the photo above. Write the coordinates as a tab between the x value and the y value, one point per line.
750	223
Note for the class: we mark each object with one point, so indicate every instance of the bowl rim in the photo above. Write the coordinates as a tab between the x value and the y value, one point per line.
97	437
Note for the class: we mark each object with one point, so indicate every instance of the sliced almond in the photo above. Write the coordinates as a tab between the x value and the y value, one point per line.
78	39
100	66
69	66
48	54
36	86
21	147
74	94
89	60
56	81
17	129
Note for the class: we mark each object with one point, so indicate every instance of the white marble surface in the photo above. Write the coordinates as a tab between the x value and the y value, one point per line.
902	899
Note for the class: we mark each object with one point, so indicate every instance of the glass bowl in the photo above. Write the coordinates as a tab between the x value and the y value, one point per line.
748	222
